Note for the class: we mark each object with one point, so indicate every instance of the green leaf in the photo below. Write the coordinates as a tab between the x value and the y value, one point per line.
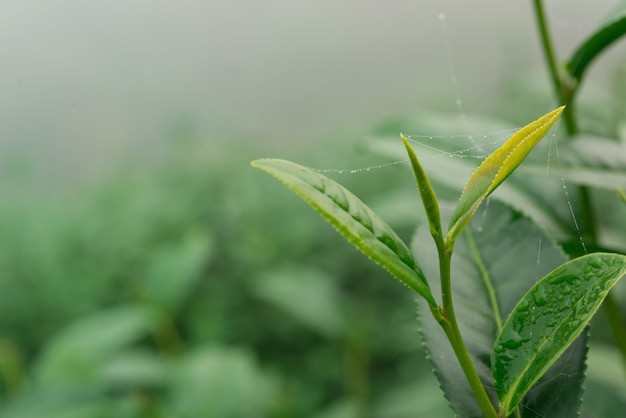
173	271
547	320
352	219
496	168
508	253
80	351
605	391
427	193
610	31
220	382
448	157
314	298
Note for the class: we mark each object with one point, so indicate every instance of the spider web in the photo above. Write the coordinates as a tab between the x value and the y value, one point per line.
472	147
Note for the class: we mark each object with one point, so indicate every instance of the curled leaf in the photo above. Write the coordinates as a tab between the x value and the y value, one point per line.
496	168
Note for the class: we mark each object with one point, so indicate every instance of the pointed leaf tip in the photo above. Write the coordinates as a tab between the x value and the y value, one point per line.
496	168
427	193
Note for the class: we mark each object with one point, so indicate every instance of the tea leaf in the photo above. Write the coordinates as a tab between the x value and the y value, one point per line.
448	175
352	219
500	254
547	320
496	168
610	31
427	194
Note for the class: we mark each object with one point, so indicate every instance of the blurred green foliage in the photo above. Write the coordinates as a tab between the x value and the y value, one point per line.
184	287
191	286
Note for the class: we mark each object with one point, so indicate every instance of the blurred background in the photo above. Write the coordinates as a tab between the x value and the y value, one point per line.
147	271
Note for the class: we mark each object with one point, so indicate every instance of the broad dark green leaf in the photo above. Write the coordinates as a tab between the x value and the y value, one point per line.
548	319
352	219
610	31
511	253
496	168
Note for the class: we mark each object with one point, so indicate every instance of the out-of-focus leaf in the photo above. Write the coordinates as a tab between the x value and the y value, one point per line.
605	386
547	320
509	254
135	369
308	295
77	353
609	31
173	271
419	399
352	219
588	161
496	168
63	402
346	408
221	383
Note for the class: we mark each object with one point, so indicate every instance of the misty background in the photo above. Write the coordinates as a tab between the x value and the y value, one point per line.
146	270
86	83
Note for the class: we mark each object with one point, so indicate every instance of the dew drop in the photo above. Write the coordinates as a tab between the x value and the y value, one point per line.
595	264
512	343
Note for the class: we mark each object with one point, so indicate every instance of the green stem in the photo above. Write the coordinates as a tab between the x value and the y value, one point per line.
564	92
451	328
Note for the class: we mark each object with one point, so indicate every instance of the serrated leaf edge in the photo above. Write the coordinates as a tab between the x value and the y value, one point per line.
421	287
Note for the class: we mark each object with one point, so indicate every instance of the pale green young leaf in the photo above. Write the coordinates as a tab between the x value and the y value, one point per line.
547	320
496	168
353	219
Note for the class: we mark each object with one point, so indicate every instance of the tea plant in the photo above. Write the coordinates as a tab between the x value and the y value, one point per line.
512	356
562	303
